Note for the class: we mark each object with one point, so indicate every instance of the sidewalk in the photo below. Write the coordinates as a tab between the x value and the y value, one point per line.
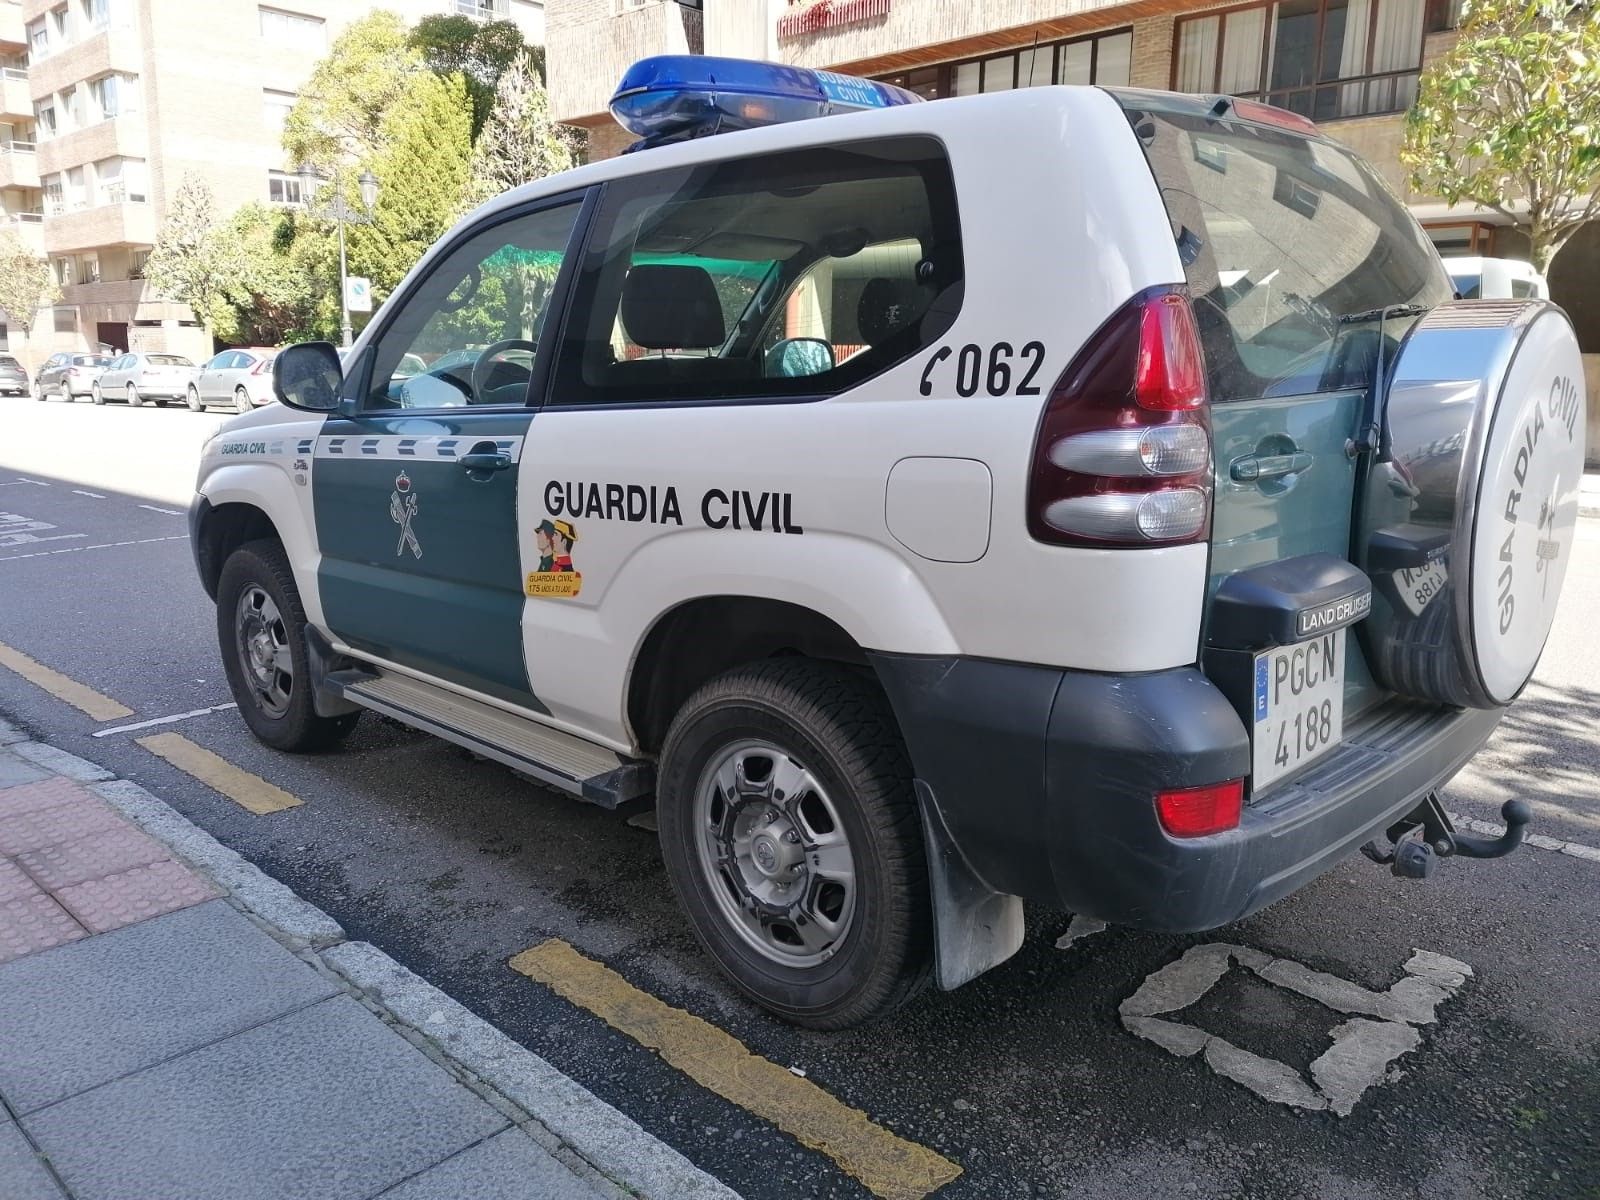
175	1024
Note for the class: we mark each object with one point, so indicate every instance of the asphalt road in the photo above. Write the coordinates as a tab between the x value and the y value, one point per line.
1026	1078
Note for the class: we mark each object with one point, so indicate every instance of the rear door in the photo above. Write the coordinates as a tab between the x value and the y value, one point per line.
415	488
1292	247
211	375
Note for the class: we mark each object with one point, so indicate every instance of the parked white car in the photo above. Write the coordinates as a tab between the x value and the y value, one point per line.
137	377
237	379
1496	279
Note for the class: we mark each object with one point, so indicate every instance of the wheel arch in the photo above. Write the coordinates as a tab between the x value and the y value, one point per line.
241	502
706	636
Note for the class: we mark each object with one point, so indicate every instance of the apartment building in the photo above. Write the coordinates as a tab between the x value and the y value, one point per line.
1351	65
105	106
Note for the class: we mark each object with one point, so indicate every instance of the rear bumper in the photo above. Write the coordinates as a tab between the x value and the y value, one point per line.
1045	779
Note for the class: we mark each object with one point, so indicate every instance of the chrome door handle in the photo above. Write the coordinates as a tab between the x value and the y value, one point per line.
1267	466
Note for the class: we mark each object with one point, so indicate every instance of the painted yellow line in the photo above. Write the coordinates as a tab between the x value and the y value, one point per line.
81	696
889	1166
248	791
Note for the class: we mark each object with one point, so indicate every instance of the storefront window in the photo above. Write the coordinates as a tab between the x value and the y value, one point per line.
1324	59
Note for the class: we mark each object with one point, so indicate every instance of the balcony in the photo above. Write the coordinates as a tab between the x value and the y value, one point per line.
106	224
16	102
113	49
11	24
586	55
125	136
29	228
18	167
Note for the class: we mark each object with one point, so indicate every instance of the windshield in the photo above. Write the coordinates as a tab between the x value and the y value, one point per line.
1282	235
90	360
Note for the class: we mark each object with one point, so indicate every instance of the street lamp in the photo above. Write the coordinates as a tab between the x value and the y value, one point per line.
342	214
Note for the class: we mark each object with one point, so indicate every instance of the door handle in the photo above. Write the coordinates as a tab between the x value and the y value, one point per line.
485	460
1267	466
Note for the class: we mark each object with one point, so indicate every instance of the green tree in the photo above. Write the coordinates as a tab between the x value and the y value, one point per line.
191	263
425	143
479	52
287	275
339	115
1512	113
26	284
519	142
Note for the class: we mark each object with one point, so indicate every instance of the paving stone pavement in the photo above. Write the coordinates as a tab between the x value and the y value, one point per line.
159	1042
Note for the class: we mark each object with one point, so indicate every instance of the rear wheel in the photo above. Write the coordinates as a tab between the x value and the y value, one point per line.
96	395
261	630
791	835
192	399
241	400
38	392
134	399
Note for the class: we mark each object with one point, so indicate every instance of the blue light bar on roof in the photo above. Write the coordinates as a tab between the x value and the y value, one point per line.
673	97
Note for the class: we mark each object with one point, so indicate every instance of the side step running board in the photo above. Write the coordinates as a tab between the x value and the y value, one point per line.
596	774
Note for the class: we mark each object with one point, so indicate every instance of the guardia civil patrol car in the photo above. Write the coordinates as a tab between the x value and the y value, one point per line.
1087	497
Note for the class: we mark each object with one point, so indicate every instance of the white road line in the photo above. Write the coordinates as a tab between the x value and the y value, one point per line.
91	495
35	482
175	537
171	512
1537	840
173	719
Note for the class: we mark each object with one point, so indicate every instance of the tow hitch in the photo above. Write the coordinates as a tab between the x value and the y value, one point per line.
1414	845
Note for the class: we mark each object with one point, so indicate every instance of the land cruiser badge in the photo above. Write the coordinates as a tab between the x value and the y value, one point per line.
555	574
402	511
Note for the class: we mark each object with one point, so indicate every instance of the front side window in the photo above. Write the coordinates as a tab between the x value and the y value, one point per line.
796	274
1323	59
469	333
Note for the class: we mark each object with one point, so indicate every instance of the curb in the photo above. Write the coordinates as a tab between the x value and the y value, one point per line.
600	1136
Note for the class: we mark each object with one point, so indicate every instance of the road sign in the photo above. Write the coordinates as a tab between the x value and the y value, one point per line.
358	294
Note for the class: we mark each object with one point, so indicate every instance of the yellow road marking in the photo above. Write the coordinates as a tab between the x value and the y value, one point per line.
81	696
248	791
889	1166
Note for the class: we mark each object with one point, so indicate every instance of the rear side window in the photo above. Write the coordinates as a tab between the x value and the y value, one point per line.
1287	243
788	275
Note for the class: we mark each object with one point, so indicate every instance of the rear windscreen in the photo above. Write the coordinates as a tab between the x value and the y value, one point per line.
1287	241
169	360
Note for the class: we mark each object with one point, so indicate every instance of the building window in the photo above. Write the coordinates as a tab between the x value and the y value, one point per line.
136	262
1102	58
96	13
283	188
54	198
65	320
114	95
484	10
1462	238
38	39
275	108
291	29
1323	59
58	25
44	119
120	181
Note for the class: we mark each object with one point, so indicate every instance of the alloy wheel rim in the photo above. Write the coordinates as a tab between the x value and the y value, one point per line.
774	852
262	641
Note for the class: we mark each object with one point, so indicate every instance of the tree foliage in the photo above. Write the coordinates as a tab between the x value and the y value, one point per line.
286	287
341	109
1511	113
26	284
190	262
425	143
519	142
479	52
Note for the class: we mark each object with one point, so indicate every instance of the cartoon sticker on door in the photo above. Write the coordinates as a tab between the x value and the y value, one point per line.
555	575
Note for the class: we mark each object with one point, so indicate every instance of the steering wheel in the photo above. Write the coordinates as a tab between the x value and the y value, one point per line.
488	355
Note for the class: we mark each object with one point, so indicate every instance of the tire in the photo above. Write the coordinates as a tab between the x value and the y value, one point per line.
134	399
192	399
835	726
241	400
256	579
96	394
38	392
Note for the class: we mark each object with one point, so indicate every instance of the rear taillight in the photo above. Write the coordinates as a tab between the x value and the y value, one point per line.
1123	455
263	367
1201	811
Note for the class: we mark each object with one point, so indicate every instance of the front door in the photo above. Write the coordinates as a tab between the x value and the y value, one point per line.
415	486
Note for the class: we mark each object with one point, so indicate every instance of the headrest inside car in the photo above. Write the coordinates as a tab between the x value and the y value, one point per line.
672	308
887	307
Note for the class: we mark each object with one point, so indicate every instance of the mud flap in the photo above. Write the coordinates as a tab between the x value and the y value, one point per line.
974	928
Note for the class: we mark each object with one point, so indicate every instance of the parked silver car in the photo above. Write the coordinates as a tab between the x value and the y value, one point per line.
237	379
13	377
68	374
138	377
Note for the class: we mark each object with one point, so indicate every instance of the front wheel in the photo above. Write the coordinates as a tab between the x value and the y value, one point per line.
241	400
134	399
192	399
96	394
261	630
792	838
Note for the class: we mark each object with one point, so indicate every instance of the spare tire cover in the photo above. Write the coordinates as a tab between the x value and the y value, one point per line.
1469	514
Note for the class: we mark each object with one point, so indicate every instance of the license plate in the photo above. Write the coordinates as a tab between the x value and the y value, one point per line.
1419	585
1299	706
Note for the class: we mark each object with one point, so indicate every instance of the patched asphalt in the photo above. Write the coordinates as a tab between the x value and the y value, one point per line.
1025	1077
